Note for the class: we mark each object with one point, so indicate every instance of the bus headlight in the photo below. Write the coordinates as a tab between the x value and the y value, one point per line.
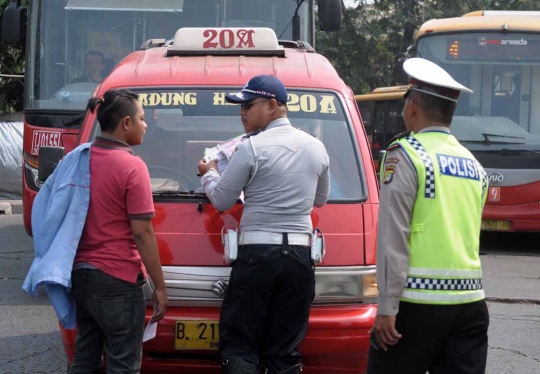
32	179
370	286
338	285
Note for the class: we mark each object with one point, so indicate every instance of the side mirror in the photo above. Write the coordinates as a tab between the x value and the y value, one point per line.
330	15
400	77
48	159
14	23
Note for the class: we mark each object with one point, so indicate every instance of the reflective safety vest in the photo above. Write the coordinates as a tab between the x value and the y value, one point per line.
444	262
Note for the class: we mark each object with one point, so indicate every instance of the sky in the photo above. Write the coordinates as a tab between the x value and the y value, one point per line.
351	2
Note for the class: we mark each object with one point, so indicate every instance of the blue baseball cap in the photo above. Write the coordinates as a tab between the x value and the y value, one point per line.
266	86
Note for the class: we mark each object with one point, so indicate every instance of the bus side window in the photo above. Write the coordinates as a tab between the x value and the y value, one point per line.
394	119
365	108
379	127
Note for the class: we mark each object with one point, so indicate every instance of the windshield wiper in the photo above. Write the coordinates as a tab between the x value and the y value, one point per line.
181	193
75	120
486	135
519	150
487	141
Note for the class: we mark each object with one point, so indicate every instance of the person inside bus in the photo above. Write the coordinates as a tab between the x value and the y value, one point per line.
506	96
94	65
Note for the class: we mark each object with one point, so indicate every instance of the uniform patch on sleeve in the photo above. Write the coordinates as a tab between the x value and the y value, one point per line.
388	175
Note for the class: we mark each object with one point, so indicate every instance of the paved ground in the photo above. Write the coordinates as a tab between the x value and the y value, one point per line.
30	344
29	339
511	264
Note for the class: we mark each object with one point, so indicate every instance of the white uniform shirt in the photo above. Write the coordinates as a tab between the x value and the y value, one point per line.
288	174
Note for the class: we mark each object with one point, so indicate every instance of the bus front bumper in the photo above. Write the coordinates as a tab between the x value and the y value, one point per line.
337	341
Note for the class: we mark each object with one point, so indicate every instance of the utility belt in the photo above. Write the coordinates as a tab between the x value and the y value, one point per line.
232	238
262	237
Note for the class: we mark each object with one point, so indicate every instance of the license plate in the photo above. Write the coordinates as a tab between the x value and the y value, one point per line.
196	335
489	225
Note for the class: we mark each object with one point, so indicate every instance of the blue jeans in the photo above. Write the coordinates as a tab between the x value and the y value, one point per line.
110	316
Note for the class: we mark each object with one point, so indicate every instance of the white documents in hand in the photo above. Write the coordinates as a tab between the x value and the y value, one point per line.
150	330
222	152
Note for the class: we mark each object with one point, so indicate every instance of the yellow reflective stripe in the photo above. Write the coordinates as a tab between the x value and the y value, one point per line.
444	273
428	296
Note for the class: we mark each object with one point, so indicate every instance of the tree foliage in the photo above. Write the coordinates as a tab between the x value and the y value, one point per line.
375	35
364	52
11	63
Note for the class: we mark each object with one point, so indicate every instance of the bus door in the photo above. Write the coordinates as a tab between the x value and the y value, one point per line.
387	123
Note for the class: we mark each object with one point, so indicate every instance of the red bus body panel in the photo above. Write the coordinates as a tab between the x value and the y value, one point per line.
33	138
518	204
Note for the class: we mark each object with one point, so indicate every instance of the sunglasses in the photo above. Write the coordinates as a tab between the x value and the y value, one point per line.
248	104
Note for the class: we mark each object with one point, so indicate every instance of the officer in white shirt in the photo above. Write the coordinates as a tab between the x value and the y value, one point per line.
283	173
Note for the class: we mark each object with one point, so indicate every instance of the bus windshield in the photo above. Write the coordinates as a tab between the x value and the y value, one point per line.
503	70
74	44
183	123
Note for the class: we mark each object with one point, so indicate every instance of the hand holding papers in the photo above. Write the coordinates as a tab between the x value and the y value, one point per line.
222	152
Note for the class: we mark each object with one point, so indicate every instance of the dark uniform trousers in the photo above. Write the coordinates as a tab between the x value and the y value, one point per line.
266	306
439	339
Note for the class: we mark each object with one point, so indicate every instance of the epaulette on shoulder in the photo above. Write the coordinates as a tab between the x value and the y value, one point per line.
397	137
392	146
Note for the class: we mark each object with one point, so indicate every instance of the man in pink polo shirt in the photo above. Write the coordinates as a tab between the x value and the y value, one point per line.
118	245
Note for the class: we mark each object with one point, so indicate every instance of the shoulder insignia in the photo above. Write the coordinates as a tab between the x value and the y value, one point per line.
392	146
398	137
388	174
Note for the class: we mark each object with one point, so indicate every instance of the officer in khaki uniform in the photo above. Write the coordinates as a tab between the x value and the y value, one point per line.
432	315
